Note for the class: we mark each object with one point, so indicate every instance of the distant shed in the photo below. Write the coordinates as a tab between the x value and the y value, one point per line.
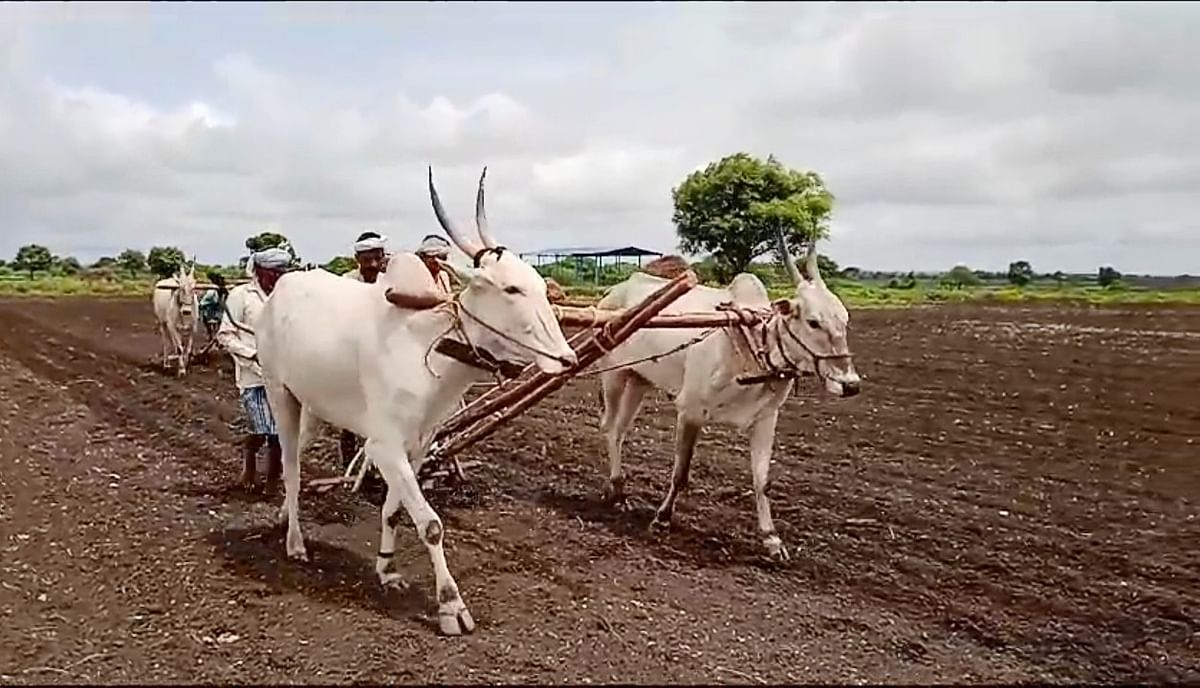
582	255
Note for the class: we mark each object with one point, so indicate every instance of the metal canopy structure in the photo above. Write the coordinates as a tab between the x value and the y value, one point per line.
593	256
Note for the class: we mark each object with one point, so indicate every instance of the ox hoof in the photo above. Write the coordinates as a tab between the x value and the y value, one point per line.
456	622
776	550
295	547
392	580
613	496
661	523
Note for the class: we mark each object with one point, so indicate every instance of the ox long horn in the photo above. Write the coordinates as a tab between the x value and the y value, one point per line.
811	265
481	223
464	244
786	256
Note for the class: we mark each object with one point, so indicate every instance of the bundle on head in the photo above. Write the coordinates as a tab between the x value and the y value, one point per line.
666	266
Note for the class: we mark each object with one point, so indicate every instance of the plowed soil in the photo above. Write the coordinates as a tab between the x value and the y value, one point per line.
1013	497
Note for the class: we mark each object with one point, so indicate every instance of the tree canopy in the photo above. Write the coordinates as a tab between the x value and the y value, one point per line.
1107	275
266	240
33	258
164	260
340	265
130	261
732	208
960	276
68	266
1020	273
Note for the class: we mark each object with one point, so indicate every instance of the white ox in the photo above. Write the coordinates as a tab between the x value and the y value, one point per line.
177	310
337	350
806	333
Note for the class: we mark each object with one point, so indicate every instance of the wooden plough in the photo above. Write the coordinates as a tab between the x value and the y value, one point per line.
602	332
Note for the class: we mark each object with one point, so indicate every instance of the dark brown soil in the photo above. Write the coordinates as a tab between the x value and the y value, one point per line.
1012	498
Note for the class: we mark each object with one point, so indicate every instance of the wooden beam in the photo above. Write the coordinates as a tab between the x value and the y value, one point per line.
573	316
486	414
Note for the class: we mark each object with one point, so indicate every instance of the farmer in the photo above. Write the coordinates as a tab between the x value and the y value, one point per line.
370	252
212	304
236	335
433	251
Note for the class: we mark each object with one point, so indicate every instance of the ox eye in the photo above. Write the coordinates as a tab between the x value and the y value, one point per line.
514	290
813	323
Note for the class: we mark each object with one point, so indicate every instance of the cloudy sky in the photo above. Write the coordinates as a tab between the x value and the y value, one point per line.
1060	133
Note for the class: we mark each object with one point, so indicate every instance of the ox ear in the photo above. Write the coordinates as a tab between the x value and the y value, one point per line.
782	306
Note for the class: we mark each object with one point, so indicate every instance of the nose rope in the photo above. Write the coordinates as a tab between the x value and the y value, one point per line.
780	322
457	310
561	359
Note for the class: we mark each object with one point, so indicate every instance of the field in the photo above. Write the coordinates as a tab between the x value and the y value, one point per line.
855	293
1013	497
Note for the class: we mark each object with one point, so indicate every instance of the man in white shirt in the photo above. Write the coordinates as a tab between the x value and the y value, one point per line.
433	251
370	252
236	335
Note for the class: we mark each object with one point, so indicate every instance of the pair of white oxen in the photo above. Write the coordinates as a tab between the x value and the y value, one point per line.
337	350
177	311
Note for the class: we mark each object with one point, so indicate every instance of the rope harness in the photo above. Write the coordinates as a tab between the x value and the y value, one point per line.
751	336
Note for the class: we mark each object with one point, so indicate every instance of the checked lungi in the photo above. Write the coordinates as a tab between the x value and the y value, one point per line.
258	411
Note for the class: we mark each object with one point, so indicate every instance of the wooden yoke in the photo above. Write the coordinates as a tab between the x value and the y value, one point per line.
493	408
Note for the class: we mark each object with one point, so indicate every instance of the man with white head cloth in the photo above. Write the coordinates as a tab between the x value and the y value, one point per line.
236	335
370	252
433	251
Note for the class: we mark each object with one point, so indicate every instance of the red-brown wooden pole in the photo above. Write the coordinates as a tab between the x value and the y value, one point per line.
589	317
533	389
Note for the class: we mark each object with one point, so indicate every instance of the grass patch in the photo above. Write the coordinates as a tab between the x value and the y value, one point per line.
854	293
53	286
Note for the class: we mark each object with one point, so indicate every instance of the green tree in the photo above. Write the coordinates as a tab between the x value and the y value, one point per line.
827	266
266	240
340	265
68	266
33	258
1020	273
131	261
960	276
733	207
1107	276
164	260
103	262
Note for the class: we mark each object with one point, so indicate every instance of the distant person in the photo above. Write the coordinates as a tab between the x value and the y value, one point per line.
370	253
212	304
236	335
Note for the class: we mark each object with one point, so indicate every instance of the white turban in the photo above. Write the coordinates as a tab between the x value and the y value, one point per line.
271	259
370	244
434	246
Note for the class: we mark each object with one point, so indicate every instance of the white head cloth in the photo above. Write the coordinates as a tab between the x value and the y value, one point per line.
370	244
434	246
269	259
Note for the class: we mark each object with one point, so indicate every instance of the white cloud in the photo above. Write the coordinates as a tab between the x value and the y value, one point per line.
949	133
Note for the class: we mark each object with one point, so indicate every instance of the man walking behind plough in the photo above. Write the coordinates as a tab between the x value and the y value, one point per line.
236	335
